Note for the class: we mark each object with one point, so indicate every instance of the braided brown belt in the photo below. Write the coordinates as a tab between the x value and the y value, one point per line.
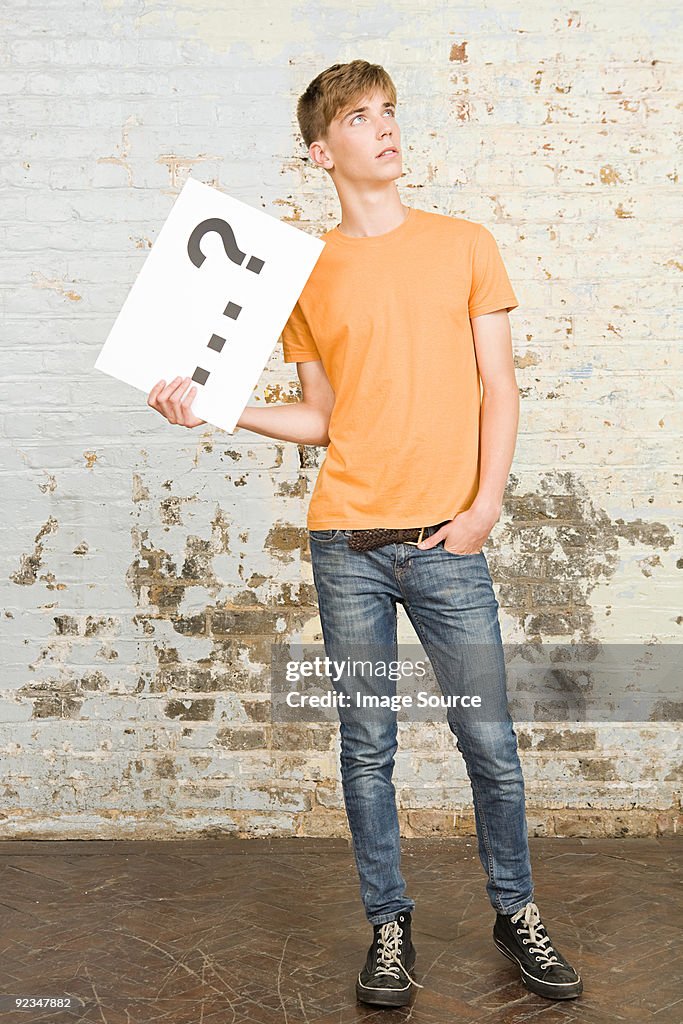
366	540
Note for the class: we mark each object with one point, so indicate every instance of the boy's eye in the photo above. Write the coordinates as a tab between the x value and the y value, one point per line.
387	111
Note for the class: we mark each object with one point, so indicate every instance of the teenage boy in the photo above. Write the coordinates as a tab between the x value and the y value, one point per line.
403	315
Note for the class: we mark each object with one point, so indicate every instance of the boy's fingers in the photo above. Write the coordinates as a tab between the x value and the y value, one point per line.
171	400
185	408
180	388
168	398
170	388
154	393
175	401
176	398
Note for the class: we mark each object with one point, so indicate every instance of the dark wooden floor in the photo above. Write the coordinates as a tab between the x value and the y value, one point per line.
223	931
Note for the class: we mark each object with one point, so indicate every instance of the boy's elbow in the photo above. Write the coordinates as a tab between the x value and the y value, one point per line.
325	435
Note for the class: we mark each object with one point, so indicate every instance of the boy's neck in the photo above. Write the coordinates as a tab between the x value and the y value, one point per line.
363	219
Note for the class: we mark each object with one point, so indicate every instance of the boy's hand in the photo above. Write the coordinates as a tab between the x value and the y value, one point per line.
467	537
166	399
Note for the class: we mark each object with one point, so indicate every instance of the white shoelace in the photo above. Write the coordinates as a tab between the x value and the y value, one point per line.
532	926
390	937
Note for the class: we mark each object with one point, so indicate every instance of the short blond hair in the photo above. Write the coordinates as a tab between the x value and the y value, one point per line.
335	89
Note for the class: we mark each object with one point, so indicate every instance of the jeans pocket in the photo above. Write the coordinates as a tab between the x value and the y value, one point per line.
457	554
323	536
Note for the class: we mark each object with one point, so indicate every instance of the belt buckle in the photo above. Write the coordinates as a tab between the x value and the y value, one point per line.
419	539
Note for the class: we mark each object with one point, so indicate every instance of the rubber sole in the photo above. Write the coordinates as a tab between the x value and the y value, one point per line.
387	996
570	990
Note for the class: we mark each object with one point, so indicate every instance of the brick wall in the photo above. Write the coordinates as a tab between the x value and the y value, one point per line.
147	569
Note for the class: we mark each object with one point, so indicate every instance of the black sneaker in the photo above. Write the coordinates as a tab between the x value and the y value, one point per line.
385	981
523	939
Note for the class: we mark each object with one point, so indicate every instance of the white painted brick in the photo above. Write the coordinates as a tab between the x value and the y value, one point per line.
559	133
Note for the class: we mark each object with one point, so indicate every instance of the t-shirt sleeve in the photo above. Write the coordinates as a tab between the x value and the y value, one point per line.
490	288
298	345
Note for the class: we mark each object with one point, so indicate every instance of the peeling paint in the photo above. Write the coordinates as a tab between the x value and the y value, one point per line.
569	546
30	563
55	285
192	710
123	158
458	53
178	167
50	485
145	675
608	175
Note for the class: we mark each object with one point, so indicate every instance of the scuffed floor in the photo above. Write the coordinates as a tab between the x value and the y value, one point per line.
225	931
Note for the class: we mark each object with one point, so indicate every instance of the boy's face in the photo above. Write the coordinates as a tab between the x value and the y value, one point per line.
355	139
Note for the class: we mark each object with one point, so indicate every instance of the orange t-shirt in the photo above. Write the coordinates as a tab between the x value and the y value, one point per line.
389	316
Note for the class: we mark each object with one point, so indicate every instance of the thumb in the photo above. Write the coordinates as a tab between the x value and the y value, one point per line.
433	539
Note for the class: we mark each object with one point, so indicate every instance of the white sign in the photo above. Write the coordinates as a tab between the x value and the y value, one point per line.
210	301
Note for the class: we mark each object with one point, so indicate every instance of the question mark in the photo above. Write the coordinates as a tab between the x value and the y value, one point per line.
235	255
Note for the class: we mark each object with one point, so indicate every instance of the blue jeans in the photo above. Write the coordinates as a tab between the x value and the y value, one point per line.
450	601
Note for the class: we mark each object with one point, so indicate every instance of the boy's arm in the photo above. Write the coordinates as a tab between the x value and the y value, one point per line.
499	407
303	422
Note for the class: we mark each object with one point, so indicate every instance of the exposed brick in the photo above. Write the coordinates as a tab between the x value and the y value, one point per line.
150	569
